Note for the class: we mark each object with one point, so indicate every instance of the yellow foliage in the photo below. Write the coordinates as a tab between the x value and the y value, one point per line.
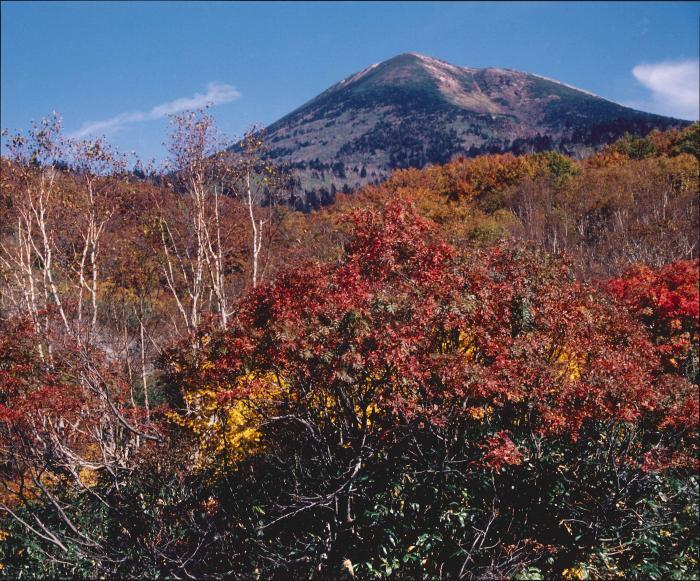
575	573
464	342
571	365
476	413
226	426
370	413
467	344
220	427
88	476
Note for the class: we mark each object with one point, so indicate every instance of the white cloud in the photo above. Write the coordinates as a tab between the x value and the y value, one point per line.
673	86
216	95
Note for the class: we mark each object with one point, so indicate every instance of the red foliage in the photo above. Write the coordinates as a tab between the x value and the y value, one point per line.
501	450
667	302
668	296
28	384
405	325
61	407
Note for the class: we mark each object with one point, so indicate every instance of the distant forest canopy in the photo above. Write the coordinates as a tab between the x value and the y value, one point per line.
413	110
316	183
481	369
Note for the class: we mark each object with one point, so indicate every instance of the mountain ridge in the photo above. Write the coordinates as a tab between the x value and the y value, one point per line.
413	110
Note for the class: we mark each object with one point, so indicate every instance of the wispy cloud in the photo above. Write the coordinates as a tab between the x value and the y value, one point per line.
673	86
216	94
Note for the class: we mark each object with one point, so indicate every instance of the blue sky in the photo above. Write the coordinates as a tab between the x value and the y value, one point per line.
120	67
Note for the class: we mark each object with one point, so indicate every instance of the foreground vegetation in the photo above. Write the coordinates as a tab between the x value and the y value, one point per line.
487	369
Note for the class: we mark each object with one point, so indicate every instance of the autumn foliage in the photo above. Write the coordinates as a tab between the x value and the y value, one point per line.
493	356
405	328
487	369
666	301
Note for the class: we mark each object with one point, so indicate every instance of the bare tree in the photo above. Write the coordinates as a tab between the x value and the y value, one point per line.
196	240
80	423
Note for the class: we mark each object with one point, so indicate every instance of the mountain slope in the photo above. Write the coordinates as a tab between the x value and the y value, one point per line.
413	110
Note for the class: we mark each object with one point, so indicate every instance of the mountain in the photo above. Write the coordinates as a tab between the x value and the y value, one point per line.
413	110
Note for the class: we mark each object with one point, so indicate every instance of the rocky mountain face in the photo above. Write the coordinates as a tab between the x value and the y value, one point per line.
413	110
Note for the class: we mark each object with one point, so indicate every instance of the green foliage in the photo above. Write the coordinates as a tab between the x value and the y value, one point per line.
412	517
560	166
153	526
689	141
529	573
635	147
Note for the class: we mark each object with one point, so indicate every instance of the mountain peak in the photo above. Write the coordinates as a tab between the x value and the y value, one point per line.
416	77
418	58
415	59
413	109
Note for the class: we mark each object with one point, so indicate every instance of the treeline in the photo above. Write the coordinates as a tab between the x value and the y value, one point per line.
636	201
486	369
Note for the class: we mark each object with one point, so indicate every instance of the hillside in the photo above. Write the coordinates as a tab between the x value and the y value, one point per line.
413	110
497	353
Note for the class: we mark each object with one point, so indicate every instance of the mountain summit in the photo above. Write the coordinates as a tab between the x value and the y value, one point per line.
413	110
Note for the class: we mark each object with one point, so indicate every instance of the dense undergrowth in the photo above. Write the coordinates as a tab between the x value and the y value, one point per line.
487	369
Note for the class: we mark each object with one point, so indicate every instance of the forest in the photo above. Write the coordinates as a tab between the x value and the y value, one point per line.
485	369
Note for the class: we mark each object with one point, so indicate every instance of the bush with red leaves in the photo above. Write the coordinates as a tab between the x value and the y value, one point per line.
405	331
666	301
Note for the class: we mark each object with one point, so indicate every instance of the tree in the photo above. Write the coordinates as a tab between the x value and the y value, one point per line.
199	242
255	182
666	301
64	417
406	355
